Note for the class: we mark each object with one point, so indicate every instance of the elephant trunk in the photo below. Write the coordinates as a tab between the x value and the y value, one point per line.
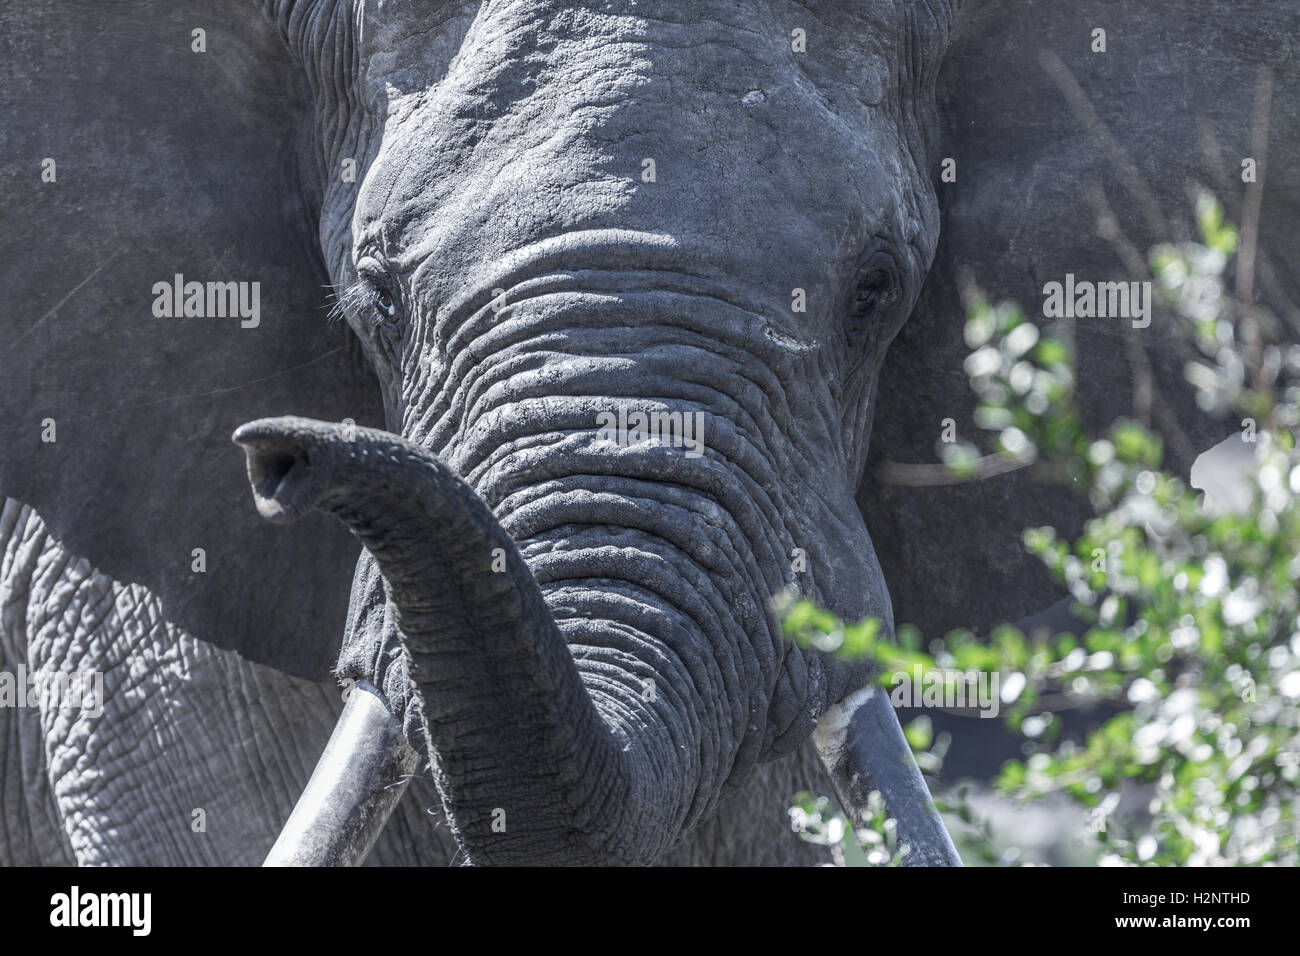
601	741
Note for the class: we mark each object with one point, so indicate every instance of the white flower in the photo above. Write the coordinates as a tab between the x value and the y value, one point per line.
1015	683
1142	691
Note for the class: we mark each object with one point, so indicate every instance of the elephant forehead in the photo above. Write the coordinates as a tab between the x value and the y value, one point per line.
407	45
558	118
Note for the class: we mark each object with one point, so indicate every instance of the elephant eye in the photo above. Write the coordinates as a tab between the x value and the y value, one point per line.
376	301
373	292
370	298
878	289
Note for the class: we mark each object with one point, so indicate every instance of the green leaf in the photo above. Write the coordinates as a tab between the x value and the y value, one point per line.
919	733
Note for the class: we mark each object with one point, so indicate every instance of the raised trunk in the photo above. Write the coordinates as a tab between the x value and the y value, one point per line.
540	758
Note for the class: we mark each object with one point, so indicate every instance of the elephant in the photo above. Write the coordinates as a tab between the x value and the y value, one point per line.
525	229
427	263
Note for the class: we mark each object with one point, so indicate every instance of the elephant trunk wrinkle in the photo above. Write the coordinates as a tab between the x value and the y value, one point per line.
585	325
543	751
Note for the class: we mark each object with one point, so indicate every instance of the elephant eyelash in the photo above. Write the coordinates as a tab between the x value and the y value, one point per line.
360	297
347	300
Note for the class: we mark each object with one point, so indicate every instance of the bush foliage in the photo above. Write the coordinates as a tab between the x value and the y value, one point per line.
1190	629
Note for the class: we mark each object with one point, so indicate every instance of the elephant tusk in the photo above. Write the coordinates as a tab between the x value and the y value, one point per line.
353	790
863	747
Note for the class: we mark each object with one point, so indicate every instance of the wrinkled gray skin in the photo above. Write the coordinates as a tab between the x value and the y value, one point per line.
621	674
498	146
620	691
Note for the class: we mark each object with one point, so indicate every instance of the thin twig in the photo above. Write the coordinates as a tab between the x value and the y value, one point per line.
987	466
1082	107
1148	399
1250	213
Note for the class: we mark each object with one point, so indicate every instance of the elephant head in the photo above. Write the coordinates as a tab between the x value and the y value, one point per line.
565	216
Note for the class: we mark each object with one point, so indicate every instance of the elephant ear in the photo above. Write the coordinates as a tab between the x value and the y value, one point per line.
146	141
1048	136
